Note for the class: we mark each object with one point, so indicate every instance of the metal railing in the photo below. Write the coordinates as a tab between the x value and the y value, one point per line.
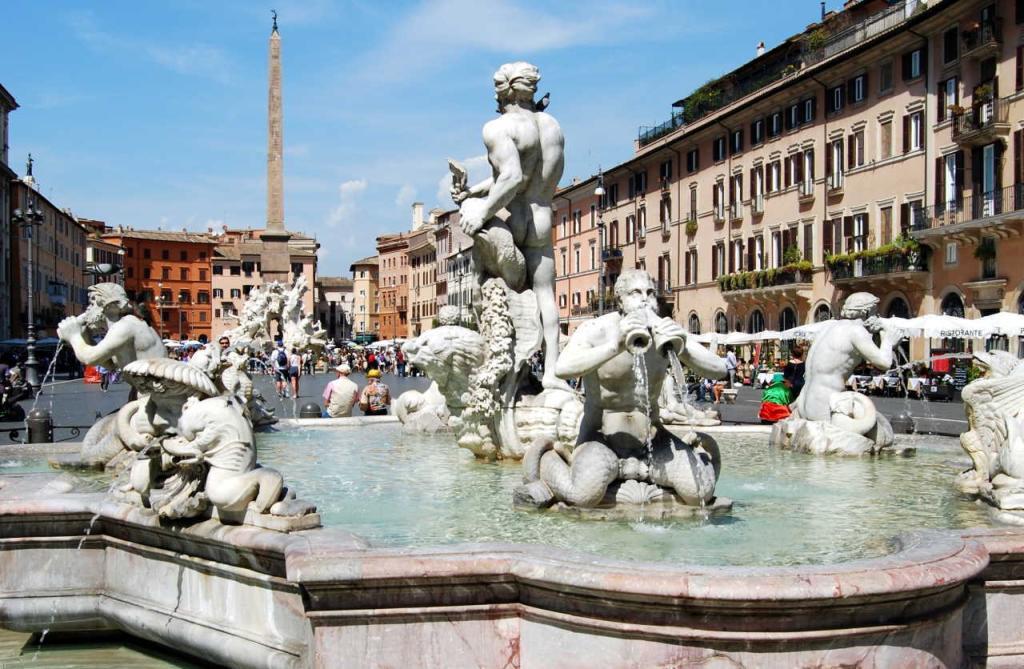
806	188
914	261
970	208
835	180
583	310
874	25
757	204
981	116
736	211
989	33
719	214
752	280
610	254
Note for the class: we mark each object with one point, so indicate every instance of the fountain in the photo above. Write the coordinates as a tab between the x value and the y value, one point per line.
199	548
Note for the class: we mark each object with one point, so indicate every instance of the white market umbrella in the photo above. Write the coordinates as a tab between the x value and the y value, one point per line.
1004	323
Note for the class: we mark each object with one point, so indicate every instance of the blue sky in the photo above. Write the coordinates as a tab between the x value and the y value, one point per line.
154	113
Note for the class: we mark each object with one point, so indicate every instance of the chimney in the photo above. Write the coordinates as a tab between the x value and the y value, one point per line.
417	215
822	10
760	48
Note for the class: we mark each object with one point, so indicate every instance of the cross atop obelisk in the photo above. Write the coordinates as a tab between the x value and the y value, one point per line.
275	259
275	140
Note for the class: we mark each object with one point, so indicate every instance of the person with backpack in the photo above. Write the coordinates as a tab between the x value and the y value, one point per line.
281	375
294	369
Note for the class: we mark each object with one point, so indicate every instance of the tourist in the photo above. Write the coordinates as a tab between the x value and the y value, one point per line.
294	369
730	367
281	374
104	377
775	400
793	373
371	360
376	397
400	362
341	394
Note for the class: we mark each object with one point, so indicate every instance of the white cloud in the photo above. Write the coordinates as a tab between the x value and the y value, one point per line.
478	168
348	196
190	59
406	195
437	32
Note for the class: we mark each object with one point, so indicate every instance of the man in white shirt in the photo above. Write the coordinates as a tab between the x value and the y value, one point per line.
730	365
341	394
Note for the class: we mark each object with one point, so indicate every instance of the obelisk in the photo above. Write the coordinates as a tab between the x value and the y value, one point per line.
274	258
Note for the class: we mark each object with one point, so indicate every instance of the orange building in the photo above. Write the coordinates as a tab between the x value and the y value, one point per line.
171	272
393	287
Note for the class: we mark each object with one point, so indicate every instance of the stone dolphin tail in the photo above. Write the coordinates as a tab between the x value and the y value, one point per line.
853	412
594	467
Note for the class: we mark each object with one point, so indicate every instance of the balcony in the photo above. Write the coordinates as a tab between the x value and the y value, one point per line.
835	183
664	290
791	281
806	190
580	311
983	41
719	215
666	185
757	204
611	254
982	124
736	212
846	39
887	268
691	224
997	214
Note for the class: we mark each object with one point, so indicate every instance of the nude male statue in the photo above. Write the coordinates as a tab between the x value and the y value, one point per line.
128	337
525	150
615	427
838	349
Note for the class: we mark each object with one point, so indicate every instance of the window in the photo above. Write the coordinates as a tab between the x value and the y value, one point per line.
775	125
665	170
885	139
565	268
236	293
630	229
165	254
236	270
577	221
593	210
641	222
593	255
665	213
913	132
183	256
183	273
218	270
219	292
913	63
565	226
808	241
718	149
774	176
202	275
757	132
793	117
885	214
948	96
146	253
203	297
165	273
184	297
718	200
736	143
951	253
576	255
858	88
810	106
692	161
145	273
855	150
950	46
885	77
835	99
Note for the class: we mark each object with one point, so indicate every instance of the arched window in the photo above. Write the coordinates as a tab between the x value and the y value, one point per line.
721	323
822	313
787	319
952	305
756	322
898	308
694	324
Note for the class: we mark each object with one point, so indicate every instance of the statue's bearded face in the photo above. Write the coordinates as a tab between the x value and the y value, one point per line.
635	292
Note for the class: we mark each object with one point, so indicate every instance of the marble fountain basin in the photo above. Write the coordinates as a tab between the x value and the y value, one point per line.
423	562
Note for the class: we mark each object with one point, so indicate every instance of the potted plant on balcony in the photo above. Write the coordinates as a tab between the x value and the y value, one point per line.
983	93
910	249
986	249
691	227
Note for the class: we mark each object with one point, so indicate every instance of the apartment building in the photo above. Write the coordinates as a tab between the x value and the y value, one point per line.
454	265
334	306
879	150
393	286
7	175
171	274
364	296
237	269
422	280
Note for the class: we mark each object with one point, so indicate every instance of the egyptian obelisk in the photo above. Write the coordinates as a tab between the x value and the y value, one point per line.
275	260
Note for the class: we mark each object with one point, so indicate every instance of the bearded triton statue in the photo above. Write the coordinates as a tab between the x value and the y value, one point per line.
509	216
624	458
826	417
995	439
278	302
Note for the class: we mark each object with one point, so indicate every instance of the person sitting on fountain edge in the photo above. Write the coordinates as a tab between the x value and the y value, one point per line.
614	415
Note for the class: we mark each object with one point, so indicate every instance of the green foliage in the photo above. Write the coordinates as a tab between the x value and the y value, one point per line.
691	227
791	255
986	250
705	99
766	278
816	39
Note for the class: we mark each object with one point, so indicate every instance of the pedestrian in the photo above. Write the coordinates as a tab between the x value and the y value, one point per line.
793	373
341	394
281	376
376	397
775	401
104	377
400	362
294	369
730	366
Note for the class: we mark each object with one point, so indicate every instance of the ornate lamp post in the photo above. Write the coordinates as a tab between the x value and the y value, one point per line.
599	192
461	270
29	218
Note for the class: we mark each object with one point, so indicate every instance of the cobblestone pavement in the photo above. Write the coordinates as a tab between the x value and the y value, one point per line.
74	403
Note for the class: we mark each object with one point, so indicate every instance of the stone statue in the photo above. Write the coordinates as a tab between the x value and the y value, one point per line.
126	338
196	454
826	417
459	362
281	303
625	457
994	405
525	149
675	408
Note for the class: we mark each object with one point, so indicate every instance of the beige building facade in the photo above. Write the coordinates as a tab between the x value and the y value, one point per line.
364	296
878	151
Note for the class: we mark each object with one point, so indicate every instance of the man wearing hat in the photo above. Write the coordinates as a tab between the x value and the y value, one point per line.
341	394
376	396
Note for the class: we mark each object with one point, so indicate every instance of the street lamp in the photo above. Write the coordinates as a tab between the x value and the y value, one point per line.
599	192
29	219
461	271
160	303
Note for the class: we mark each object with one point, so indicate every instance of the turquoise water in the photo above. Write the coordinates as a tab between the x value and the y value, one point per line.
18	649
411	490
